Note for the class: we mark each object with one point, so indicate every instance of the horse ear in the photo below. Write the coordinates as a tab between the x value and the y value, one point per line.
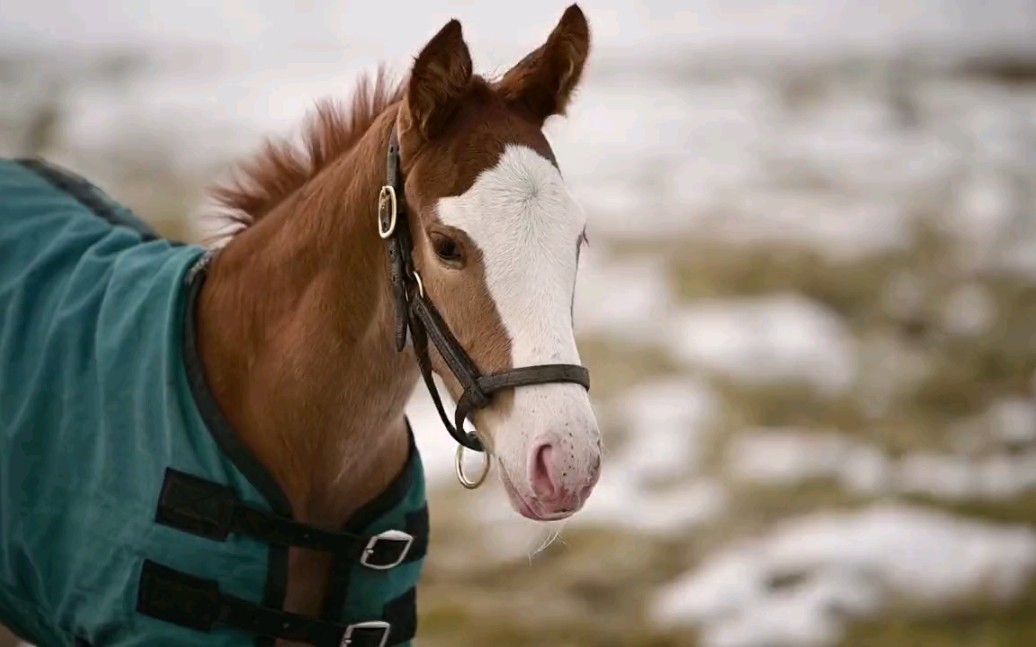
543	82
440	75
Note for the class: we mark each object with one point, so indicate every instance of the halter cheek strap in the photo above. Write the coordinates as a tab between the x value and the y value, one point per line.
427	324
416	313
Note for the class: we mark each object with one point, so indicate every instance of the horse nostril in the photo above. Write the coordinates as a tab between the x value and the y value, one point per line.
543	481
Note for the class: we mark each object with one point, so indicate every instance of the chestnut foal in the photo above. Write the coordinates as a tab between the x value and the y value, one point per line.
210	447
299	319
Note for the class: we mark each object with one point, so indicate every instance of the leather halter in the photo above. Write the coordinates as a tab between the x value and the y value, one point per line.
414	311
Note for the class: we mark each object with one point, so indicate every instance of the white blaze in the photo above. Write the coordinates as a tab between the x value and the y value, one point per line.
527	226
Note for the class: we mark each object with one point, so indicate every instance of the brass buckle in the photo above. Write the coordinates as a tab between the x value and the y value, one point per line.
387	198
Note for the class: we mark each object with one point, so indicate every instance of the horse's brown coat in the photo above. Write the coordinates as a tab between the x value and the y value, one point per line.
295	320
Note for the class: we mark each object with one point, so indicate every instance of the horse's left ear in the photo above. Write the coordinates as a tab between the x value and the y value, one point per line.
543	82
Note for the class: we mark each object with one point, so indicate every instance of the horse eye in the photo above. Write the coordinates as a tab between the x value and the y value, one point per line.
447	249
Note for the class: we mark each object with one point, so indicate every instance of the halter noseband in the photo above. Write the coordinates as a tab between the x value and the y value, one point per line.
414	311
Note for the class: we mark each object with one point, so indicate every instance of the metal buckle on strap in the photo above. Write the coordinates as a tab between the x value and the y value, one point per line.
388	535
384	627
388	211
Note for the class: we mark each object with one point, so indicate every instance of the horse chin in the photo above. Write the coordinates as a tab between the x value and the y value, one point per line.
526	506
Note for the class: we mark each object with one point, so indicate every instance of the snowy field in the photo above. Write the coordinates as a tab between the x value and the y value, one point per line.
809	303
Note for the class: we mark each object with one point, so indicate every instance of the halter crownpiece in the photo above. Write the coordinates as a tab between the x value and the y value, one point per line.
415	312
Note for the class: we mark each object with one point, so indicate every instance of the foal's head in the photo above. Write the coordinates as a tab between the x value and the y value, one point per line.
496	240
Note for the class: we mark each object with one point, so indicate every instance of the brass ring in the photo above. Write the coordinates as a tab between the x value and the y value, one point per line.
463	478
387	195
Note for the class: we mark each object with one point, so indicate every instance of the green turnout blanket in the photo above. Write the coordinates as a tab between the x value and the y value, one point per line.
130	513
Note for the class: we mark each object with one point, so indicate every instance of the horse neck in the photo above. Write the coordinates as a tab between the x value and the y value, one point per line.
296	336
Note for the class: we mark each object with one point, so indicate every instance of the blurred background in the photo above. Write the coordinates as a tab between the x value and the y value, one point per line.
809	302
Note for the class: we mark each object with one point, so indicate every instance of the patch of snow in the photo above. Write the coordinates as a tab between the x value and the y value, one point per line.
625	299
620	501
982	212
611	128
960	478
786	457
767	340
839	565
1013	420
667	422
853	142
725	128
943	476
1020	257
787	618
865	471
839	226
968	310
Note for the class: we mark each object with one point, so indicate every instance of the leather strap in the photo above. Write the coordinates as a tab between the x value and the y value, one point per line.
462	367
414	311
424	362
197	603
486	385
426	323
212	510
399	243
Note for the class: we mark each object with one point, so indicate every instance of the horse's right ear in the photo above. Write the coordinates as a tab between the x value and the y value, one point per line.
543	82
440	75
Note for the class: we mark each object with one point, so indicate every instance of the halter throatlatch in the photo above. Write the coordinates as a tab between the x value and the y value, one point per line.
416	313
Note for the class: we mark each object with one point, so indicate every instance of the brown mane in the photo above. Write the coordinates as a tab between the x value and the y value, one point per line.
284	166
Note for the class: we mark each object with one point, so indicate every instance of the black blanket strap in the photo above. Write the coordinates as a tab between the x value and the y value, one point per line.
196	603
212	510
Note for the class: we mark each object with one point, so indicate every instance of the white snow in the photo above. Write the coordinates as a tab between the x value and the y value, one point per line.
838	565
838	226
785	457
620	501
766	340
666	424
1013	420
627	299
968	310
962	478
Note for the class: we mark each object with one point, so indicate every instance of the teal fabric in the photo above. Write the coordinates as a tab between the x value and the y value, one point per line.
94	405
